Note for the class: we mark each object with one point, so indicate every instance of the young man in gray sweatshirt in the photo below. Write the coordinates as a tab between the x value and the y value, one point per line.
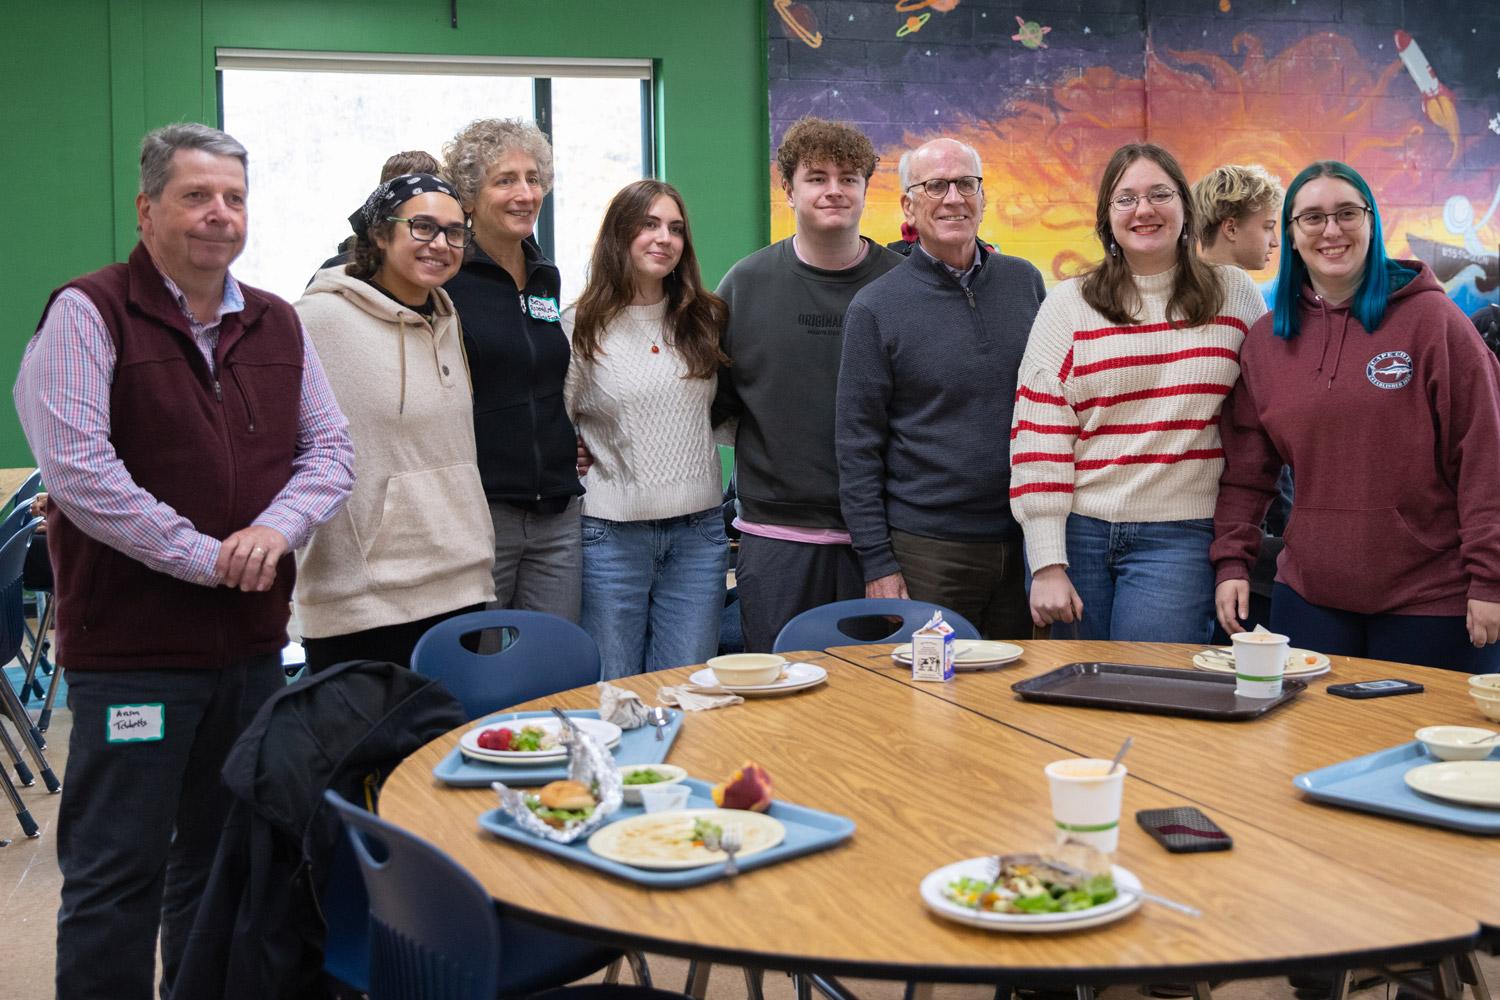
786	308
928	379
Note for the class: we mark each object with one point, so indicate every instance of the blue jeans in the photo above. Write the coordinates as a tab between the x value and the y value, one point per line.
653	591
1141	581
1424	640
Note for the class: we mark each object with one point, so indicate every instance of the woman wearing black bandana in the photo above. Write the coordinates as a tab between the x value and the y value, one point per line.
413	545
507	293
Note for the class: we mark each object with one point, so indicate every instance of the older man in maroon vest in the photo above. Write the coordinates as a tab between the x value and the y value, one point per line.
189	441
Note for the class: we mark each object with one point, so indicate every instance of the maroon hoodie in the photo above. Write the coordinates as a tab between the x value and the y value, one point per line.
1394	443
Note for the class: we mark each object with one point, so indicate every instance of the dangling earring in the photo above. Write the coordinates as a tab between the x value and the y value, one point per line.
1114	248
1184	236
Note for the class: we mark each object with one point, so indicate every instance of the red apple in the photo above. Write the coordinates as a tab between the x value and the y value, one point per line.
747	788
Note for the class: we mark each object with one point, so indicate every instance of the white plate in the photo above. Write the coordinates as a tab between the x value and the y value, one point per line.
969	654
1294	656
932	894
607	733
1471	782
797	677
659	841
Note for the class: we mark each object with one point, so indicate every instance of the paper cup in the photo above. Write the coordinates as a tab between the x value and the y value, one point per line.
1259	663
664	798
1086	801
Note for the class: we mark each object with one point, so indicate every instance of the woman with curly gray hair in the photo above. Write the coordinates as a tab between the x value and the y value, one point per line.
507	296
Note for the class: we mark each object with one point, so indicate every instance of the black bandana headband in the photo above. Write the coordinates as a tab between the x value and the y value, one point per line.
390	195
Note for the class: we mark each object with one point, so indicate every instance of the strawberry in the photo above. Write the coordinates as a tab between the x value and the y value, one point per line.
496	739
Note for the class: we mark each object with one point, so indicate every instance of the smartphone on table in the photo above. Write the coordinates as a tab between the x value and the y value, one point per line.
1183	830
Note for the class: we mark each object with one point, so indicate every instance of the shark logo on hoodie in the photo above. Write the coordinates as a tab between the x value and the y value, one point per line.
1391	370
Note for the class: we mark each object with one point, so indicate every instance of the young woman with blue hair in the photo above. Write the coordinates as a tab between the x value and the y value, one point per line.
1373	386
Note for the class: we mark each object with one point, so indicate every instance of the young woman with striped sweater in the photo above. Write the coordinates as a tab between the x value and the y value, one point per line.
1115	453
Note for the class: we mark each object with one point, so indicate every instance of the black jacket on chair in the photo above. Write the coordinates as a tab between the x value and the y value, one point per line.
259	931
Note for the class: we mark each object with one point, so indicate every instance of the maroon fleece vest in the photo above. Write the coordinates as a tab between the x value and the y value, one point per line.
215	449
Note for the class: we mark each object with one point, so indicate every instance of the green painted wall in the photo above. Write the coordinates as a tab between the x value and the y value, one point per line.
83	79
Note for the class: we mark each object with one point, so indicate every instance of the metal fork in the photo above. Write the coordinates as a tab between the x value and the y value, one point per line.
730	843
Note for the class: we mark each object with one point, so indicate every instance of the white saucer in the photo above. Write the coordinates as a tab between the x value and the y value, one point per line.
607	733
797	677
1470	782
970	654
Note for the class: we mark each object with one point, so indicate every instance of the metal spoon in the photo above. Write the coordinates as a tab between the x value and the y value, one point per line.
1482	739
658	717
1120	754
567	722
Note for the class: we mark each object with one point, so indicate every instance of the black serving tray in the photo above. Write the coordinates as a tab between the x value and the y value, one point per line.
1126	687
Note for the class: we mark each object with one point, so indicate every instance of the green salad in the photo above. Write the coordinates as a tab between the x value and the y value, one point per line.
1033	887
704	829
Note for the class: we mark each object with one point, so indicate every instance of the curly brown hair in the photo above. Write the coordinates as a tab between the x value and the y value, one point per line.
813	140
366	254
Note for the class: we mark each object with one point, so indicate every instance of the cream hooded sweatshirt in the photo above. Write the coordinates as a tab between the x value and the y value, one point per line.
415	539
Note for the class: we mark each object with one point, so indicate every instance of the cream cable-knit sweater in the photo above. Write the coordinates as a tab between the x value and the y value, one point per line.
1121	423
646	425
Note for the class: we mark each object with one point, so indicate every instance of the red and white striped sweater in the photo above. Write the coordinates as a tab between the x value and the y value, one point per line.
1121	423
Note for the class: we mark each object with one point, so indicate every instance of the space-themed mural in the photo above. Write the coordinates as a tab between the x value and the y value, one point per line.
1406	92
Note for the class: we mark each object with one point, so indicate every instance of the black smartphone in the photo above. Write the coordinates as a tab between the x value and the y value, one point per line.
1375	689
1183	830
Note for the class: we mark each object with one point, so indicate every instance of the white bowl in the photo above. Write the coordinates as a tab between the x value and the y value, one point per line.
1456	742
674	774
747	669
1487	703
1486	683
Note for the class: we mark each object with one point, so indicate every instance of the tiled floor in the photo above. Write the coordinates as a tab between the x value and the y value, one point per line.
29	884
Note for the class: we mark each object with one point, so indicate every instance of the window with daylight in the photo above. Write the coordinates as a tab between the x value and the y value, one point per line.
319	125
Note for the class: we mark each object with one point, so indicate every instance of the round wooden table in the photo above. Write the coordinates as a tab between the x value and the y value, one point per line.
931	773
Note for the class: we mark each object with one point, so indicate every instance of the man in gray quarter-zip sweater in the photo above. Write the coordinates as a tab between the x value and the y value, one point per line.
926	385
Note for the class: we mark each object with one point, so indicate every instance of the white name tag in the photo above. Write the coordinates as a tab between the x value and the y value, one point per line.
135	723
543	309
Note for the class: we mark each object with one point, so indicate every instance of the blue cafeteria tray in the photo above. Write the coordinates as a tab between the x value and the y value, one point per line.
807	830
636	746
1377	783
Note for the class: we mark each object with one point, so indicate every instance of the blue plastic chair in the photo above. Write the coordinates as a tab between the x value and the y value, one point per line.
546	655
23	494
435	933
827	626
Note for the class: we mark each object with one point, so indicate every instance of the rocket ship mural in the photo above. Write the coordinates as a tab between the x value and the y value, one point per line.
1437	100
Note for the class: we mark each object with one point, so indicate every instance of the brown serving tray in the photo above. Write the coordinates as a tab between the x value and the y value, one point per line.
1127	687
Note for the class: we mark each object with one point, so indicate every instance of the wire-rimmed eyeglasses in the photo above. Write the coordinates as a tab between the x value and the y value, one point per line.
937	187
1349	218
1127	202
426	230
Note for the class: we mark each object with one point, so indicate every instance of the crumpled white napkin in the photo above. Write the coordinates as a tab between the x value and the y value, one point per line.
624	708
696	697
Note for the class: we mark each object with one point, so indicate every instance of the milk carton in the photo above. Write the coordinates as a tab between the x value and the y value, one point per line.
932	650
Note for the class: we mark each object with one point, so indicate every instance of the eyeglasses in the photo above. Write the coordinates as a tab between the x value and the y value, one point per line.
425	231
1127	202
1349	218
937	187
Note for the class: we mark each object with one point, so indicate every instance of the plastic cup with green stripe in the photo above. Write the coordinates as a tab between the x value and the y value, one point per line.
1086	798
1259	663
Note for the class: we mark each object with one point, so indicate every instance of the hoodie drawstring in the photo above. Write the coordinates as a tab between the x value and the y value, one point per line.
1328	338
401	340
1343	335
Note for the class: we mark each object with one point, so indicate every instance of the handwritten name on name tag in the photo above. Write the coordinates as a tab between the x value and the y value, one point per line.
135	723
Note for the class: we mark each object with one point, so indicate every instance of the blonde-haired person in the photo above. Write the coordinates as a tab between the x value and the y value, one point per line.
1115	451
1236	208
646	357
507	296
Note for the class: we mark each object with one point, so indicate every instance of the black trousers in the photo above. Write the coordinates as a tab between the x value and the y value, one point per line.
139	822
777	581
983	581
389	643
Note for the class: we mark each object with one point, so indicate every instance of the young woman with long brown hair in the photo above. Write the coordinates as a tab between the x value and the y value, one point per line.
645	336
1115	453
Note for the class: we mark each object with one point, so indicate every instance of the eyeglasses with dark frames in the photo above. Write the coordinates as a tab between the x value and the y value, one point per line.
937	187
1127	202
426	230
1349	218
